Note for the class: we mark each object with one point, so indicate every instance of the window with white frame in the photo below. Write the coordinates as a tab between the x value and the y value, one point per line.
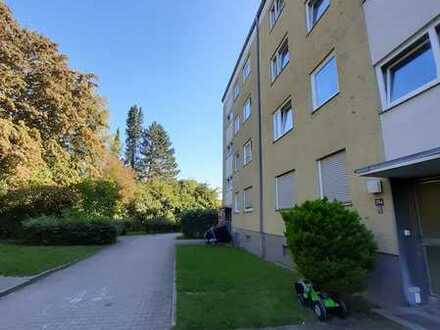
237	202
333	178
247	152
414	69
247	109
236	91
314	11
236	125
285	191
280	59
282	121
246	69
325	84
275	12
248	199
237	162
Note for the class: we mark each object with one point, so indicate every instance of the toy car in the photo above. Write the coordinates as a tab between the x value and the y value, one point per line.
320	303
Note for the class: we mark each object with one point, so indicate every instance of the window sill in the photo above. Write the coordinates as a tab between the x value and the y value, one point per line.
284	135
310	29
279	74
411	95
325	103
248	210
249	162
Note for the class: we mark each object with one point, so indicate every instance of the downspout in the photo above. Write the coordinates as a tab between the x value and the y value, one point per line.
260	140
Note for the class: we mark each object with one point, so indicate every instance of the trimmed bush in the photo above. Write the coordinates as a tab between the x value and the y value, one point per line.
196	222
49	230
330	246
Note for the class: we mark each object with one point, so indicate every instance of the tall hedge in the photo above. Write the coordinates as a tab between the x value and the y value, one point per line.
196	222
69	231
330	245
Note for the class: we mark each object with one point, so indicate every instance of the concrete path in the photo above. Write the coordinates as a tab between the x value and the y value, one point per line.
126	286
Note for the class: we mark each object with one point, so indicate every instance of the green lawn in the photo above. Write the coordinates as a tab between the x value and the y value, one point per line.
19	260
226	288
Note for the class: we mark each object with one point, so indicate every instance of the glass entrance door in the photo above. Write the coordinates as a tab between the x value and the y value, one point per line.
428	198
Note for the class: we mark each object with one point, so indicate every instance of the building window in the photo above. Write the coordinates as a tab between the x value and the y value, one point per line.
229	148
247	109
229	117
236	91
280	59
333	178
246	69
285	191
236	125
237	202
315	10
282	121
410	70
229	183
247	200
275	12
247	152
325	83
237	162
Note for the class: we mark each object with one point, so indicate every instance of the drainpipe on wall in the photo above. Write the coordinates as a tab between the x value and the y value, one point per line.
260	140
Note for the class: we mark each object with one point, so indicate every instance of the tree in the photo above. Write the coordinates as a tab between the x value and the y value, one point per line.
157	155
115	148
134	134
42	95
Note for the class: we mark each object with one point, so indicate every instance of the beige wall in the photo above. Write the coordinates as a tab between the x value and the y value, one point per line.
349	121
247	176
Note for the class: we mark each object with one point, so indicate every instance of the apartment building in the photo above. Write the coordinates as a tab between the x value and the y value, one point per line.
325	123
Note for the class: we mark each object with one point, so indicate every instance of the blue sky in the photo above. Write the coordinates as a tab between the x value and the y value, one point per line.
173	58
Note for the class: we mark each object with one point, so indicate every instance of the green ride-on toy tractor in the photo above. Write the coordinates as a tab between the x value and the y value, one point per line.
320	303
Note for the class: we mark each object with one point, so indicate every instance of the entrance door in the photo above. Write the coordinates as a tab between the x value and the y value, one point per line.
428	196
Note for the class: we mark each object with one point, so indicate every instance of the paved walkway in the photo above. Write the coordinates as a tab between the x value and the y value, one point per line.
127	286
7	282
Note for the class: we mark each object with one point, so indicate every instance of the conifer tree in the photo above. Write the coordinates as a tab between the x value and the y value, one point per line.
115	147
157	154
134	134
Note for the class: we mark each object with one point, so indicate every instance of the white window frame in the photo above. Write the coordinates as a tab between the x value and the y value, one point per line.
275	12
309	14
246	71
236	91
247	105
286	105
247	209
330	57
236	125
237	206
246	161
277	208
276	65
320	178
383	68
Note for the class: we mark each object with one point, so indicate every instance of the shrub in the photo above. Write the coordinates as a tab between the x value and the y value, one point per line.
69	230
196	222
35	201
161	226
330	245
99	197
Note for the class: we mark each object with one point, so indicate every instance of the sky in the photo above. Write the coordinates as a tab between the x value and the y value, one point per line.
173	58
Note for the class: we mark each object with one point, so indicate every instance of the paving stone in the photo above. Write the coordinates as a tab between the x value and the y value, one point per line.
126	286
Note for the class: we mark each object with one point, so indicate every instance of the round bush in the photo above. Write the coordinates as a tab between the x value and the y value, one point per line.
330	246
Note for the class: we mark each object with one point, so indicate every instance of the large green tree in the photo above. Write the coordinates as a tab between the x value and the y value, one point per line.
54	109
157	154
134	134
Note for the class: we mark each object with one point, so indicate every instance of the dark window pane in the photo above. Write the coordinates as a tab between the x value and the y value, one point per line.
319	7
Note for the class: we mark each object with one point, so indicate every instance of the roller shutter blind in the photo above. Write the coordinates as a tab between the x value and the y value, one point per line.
285	191
334	178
